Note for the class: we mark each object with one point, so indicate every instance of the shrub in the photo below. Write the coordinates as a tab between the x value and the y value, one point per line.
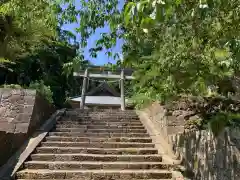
12	86
42	89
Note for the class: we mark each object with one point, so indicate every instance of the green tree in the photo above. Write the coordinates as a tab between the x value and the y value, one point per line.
181	47
34	51
24	26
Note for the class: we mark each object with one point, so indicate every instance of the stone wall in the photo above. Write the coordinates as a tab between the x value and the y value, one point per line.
207	157
204	156
21	112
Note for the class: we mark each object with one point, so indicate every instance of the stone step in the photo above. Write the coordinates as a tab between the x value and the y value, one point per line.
105	113
101	117
125	113
99	111
76	165
107	116
93	174
87	134
103	120
98	144
84	150
100	130
100	123
96	139
69	125
111	179
97	157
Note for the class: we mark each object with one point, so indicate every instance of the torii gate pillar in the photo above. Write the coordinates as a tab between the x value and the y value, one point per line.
122	91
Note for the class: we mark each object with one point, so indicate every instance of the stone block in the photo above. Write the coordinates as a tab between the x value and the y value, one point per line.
29	100
23	118
175	129
12	112
175	121
2	111
6	95
21	128
7	127
15	91
17	118
10	119
28	109
14	98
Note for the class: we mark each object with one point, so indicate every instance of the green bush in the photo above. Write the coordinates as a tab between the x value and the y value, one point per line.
44	90
220	120
12	86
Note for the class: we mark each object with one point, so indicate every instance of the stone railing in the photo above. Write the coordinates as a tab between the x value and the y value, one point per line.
21	112
204	156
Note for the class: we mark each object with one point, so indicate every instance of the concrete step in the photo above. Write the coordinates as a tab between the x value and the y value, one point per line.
87	134
127	130
96	139
76	165
93	174
98	145
84	150
69	125
97	157
100	123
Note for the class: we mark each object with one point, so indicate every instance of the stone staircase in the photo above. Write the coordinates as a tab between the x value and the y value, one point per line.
98	145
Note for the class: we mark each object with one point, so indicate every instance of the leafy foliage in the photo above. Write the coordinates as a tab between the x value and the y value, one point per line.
24	25
45	91
93	15
34	49
47	64
190	46
12	86
180	47
218	122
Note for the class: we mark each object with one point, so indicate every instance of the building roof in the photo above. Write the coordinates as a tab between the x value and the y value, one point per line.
100	100
104	86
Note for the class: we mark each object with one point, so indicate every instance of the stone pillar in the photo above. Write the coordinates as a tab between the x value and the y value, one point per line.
84	87
122	91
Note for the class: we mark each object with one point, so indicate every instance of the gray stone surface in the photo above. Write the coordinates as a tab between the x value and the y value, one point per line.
21	112
16	107
16	161
209	157
206	157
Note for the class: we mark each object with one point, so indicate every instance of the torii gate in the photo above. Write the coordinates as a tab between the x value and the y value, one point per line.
96	74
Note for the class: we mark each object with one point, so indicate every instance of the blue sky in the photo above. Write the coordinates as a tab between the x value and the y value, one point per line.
102	58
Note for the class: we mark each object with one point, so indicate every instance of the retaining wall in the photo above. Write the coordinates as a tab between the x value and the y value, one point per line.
22	111
204	156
